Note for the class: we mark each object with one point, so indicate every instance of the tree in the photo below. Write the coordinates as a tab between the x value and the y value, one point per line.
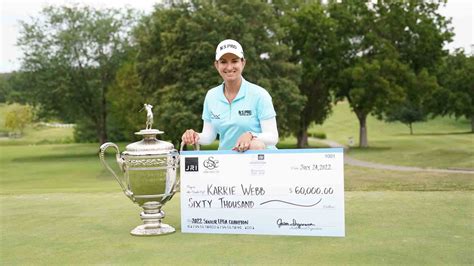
384	46
364	60
18	117
414	109
71	55
372	88
407	113
455	96
176	54
4	88
125	99
418	33
311	36
14	87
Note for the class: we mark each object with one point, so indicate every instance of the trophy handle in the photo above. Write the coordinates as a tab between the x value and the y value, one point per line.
119	160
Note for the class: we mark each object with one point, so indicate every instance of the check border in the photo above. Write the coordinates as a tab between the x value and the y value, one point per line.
323	150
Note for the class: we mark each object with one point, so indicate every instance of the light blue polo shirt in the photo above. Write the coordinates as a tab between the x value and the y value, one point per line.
251	105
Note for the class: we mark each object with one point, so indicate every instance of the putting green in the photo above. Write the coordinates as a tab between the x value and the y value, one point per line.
93	228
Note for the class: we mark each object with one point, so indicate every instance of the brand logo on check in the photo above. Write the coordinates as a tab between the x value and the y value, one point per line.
191	164
210	163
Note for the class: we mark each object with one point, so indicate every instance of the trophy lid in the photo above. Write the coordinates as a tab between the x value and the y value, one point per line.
149	145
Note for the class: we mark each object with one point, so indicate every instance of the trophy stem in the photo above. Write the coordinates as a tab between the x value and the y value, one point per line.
151	217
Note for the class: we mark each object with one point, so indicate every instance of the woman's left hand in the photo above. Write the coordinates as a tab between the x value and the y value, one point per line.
243	143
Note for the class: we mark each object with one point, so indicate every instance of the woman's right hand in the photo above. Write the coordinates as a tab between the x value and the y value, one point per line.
190	137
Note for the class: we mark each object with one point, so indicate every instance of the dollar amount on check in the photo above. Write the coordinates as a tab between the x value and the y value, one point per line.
272	192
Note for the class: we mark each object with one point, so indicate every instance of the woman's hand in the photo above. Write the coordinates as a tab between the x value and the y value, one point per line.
243	143
190	137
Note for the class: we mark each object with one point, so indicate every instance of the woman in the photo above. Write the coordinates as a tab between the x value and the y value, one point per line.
240	112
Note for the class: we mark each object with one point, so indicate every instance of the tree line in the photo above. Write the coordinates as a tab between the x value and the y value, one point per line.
96	67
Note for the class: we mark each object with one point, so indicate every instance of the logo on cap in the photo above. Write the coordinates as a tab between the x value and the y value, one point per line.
233	46
229	46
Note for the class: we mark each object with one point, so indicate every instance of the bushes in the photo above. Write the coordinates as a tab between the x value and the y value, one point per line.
319	135
17	118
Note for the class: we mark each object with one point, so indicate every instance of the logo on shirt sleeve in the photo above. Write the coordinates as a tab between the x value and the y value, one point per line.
245	112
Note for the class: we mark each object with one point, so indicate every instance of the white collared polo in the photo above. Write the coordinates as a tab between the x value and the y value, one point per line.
230	120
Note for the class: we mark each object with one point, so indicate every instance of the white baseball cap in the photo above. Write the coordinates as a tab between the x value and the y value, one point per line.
229	46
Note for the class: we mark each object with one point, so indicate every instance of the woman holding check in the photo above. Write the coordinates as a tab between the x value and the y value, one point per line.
240	112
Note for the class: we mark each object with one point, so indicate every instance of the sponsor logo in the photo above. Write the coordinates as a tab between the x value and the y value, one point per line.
258	159
215	116
233	46
191	164
211	163
245	112
258	165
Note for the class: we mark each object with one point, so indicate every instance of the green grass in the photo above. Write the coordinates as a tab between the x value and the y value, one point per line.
439	143
367	179
93	228
34	133
58	205
54	168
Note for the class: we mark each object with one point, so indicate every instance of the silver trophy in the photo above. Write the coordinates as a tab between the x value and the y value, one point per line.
148	176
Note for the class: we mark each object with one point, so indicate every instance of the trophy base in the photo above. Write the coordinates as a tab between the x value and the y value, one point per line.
146	230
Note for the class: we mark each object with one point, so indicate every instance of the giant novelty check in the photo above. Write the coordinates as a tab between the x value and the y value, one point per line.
272	192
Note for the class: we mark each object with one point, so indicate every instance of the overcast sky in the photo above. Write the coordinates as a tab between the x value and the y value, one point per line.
11	11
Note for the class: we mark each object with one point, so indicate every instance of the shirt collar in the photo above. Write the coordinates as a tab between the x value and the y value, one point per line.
241	94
